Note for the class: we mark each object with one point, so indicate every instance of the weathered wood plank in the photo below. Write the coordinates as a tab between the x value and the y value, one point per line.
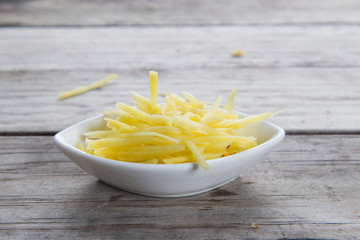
171	48
163	12
307	188
308	69
316	99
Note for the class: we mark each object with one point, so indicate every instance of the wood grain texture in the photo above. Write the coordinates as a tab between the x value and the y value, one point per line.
187	12
307	69
307	188
317	99
127	48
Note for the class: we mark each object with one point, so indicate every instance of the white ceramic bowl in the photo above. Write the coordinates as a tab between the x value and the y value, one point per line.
167	180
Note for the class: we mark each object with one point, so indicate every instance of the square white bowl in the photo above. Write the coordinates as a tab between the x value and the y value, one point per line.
167	180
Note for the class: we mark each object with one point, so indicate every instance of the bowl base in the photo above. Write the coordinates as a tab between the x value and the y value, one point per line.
174	195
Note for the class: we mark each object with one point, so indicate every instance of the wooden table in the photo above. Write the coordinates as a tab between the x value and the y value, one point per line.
303	55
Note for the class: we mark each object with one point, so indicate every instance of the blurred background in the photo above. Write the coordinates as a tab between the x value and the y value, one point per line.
295	54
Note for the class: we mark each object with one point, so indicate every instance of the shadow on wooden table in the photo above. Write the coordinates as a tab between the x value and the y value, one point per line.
102	209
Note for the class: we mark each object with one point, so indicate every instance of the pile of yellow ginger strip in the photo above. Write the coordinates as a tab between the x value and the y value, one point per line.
182	130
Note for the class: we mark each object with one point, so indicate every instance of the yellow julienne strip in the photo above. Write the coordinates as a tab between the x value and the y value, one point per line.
143	116
190	125
173	106
213	109
83	89
159	119
197	154
237	53
141	102
120	126
221	114
229	123
196	103
179	159
126	118
258	117
190	158
209	156
153	90
217	139
229	105
82	148
141	154
160	129
102	134
123	142
211	121
217	148
154	134
238	123
148	149
152	161
170	105
195	118
244	145
181	103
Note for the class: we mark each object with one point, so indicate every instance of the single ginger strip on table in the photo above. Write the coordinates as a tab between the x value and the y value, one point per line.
83	89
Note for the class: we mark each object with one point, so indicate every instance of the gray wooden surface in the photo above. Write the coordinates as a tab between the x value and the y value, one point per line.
310	70
306	188
186	12
303	55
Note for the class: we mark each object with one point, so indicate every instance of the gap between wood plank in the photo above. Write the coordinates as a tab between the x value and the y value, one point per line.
312	24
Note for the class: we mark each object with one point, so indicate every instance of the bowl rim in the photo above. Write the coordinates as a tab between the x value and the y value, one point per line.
277	137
